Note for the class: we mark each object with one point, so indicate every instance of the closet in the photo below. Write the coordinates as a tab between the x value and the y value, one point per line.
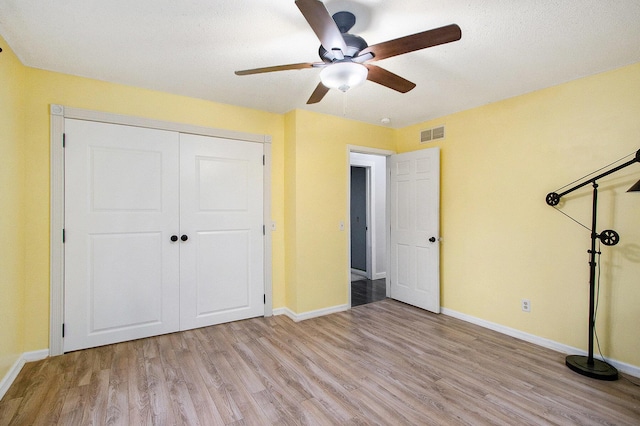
163	231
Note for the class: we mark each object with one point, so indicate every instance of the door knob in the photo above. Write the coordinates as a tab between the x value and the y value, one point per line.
184	237
432	239
174	238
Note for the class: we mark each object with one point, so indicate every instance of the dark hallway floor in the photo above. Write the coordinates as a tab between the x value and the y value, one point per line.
367	291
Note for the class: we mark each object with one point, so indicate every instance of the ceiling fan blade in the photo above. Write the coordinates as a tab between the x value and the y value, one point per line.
414	42
299	66
388	79
318	94
322	24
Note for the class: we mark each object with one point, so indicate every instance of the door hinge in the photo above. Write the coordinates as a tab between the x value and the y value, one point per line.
63	236
62	329
264	299
64	140
263	160
264	230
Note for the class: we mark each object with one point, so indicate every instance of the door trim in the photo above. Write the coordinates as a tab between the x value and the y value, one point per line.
369	219
58	113
373	151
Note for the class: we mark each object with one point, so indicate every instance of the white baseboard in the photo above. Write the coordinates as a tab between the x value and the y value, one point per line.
13	372
623	367
311	314
359	273
374	276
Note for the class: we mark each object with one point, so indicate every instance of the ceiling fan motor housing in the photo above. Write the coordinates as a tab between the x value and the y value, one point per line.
355	44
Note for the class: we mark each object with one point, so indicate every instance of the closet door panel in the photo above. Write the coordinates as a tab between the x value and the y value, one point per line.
121	208
221	261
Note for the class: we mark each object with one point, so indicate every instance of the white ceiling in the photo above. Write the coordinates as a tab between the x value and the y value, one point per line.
193	47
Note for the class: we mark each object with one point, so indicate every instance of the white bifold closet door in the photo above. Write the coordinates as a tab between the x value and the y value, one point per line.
221	264
129	193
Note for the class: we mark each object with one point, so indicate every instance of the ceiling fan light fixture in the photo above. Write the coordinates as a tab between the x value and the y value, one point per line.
343	75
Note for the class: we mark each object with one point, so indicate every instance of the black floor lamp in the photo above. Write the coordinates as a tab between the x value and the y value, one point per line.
587	365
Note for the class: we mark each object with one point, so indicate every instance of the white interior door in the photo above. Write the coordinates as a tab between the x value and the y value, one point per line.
121	207
414	268
221	262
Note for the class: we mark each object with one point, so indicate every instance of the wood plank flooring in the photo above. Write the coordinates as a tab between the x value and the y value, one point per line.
380	363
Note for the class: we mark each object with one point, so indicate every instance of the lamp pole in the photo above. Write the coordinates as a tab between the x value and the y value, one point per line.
592	273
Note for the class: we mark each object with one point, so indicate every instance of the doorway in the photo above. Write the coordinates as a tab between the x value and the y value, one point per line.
409	237
360	253
367	216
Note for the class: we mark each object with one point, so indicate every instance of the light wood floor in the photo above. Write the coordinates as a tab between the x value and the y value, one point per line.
382	363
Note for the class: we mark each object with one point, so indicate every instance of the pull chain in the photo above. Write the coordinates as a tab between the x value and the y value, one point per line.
344	104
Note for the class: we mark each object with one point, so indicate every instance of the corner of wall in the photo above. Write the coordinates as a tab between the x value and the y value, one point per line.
12	205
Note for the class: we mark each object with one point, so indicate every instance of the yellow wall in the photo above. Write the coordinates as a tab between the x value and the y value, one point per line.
12	180
45	88
319	265
502	243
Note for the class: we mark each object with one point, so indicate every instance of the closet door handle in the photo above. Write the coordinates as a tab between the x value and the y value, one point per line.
174	238
184	237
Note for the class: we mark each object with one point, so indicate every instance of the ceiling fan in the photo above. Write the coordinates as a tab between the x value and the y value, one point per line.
346	58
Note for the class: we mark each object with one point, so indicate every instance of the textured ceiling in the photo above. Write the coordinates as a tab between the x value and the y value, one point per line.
193	47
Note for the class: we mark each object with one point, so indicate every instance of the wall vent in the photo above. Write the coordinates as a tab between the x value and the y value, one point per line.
432	134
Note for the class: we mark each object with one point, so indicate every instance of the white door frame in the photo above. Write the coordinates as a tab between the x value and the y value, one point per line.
366	165
371	151
369	266
58	113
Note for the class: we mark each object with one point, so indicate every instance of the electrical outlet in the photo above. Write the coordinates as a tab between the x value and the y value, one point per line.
526	305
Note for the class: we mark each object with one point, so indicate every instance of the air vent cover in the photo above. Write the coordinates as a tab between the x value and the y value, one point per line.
432	134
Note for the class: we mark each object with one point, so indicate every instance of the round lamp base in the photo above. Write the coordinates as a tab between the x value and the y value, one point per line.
598	370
